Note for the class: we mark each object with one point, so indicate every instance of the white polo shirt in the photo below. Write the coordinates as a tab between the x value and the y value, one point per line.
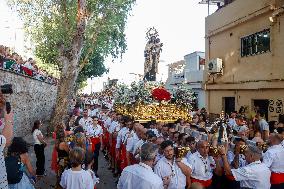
139	176
131	141
107	122
127	135
263	125
255	175
93	112
165	168
85	122
35	134
273	158
202	168
120	136
94	131
112	127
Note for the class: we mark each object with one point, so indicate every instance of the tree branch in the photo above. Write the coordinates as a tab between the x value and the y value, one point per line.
91	50
66	19
78	39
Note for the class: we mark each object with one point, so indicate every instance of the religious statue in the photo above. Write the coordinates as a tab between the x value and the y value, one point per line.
152	55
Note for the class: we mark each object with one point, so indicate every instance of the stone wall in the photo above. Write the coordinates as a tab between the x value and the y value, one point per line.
31	100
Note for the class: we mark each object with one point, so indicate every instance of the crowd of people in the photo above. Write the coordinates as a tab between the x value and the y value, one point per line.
231	152
235	152
12	61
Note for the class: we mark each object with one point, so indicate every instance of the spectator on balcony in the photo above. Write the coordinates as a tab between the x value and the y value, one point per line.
29	64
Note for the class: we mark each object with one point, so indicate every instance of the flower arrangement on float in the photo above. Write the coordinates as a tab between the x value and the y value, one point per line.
145	101
183	96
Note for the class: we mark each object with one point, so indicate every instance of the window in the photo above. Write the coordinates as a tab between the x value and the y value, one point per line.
257	43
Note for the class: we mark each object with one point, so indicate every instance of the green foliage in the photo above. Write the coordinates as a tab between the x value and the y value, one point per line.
52	24
50	69
94	68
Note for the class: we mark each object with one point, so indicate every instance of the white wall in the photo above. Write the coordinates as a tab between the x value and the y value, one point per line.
201	97
192	60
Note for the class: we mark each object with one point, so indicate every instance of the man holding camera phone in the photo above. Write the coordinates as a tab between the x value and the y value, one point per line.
6	134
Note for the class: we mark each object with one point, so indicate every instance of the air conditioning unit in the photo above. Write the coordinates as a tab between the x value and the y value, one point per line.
215	65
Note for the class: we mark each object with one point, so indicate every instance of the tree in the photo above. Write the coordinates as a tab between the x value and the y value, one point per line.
73	34
94	68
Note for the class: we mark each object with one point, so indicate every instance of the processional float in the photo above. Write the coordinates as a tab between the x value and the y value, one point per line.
148	99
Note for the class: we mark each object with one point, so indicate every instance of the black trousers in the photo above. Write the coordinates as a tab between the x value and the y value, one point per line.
277	186
96	157
40	158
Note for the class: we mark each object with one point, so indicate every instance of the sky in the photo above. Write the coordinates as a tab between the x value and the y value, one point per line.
180	23
181	26
11	29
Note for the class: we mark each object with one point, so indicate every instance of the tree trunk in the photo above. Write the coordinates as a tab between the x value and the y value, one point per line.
70	61
65	92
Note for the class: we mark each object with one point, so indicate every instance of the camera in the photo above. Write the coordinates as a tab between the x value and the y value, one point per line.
6	89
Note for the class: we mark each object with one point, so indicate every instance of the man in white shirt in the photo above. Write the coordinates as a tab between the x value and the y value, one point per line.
232	120
240	124
88	107
255	175
203	165
95	133
142	140
85	121
160	154
131	141
107	121
129	131
263	125
119	146
113	125
273	158
176	169
93	111
191	143
120	135
113	130
141	176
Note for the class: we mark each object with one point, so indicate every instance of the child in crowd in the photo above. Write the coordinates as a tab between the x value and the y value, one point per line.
76	177
89	162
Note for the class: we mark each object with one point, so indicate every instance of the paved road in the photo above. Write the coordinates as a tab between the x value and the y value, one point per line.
106	179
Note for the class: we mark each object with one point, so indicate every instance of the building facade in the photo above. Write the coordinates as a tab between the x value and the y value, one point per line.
248	38
189	72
